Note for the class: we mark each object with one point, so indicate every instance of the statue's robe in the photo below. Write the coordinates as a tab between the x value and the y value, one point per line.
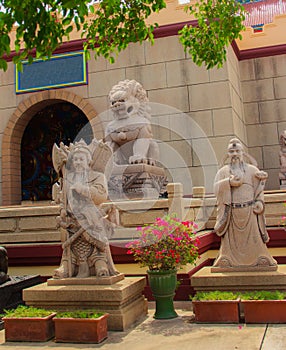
243	232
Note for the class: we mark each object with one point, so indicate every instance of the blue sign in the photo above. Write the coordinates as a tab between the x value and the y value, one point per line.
60	70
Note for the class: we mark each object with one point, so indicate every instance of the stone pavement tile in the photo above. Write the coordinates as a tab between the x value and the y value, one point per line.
179	333
275	337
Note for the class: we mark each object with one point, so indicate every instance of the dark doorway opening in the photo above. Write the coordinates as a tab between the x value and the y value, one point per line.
59	122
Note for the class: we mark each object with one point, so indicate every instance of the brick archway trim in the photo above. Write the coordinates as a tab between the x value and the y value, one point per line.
12	137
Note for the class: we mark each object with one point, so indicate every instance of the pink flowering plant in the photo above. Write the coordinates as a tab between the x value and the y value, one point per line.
167	244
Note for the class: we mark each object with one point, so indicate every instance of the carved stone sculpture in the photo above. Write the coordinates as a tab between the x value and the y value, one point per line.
81	190
3	265
129	134
282	158
239	187
130	137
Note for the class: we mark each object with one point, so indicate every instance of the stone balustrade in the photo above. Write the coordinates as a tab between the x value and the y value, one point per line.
35	224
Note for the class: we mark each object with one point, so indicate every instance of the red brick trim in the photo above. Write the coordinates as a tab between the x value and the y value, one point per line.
172	29
259	51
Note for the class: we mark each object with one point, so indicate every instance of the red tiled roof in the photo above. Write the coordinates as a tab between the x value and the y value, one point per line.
263	12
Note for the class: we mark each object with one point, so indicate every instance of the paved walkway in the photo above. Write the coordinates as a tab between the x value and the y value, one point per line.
176	334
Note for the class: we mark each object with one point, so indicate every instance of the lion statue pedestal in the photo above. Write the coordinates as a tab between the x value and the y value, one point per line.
136	181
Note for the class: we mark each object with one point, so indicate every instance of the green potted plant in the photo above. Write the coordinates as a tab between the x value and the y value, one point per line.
30	324
164	247
216	306
80	326
264	306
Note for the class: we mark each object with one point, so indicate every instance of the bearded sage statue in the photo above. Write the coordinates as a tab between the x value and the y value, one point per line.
239	188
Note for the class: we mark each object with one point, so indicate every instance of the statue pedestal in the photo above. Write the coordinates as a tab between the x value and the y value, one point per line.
123	300
204	280
85	281
136	181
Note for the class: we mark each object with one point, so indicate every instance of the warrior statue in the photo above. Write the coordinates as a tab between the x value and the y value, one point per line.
81	190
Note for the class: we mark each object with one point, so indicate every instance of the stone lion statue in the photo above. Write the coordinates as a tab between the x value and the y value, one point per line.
130	135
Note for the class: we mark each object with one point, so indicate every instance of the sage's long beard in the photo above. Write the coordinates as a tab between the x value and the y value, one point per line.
237	168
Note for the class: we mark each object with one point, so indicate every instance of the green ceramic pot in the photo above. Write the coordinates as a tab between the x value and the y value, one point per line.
163	285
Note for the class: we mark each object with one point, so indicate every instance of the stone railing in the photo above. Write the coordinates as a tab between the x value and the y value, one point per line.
35	224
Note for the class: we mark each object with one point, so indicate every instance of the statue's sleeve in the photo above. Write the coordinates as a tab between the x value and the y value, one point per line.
222	187
223	194
98	189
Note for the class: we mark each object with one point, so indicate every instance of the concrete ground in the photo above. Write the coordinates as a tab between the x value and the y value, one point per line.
180	333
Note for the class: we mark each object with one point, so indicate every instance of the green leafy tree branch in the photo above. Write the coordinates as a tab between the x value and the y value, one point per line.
35	28
219	23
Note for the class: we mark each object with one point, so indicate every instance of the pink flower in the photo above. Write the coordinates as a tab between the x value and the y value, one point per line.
168	243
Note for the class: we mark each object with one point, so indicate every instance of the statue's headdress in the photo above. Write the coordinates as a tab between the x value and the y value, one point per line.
99	155
80	146
235	143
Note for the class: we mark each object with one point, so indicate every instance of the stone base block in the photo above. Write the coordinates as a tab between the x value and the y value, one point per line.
85	281
122	300
136	181
205	280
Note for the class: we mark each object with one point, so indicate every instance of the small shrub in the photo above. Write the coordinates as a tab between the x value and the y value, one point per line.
79	314
215	295
27	311
263	295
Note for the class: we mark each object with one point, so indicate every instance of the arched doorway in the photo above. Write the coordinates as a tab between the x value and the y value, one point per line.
61	121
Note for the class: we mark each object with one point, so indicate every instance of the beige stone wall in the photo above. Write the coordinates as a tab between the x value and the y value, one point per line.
194	111
264	95
8	103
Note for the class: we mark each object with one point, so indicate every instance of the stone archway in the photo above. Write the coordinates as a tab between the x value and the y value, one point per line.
11	143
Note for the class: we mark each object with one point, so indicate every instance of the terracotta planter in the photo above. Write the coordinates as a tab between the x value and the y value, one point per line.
216	311
81	330
30	329
264	311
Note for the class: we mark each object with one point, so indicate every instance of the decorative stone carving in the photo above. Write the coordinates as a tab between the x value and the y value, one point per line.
282	158
239	187
130	137
81	190
3	265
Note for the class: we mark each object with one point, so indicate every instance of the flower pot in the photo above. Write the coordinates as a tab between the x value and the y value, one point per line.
163	285
30	329
81	330
264	311
216	311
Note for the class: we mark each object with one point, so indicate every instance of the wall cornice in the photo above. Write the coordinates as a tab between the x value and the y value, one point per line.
171	30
